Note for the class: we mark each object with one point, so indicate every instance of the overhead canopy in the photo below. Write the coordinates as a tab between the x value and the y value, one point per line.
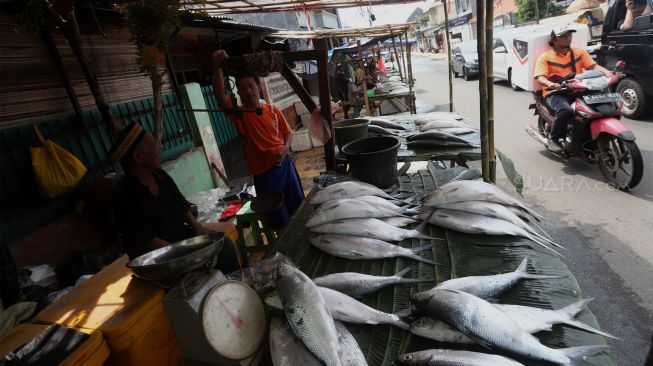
390	30
264	6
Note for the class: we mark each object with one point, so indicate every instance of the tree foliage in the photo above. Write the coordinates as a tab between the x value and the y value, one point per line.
526	10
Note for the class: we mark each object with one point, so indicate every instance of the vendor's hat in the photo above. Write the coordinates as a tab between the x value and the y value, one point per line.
561	30
127	140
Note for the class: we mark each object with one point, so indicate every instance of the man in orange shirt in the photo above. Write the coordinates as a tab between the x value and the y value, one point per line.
266	137
561	59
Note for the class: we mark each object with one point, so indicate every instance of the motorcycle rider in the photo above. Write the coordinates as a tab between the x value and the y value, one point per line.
563	60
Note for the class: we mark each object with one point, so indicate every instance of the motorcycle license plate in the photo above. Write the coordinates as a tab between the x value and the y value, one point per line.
602	98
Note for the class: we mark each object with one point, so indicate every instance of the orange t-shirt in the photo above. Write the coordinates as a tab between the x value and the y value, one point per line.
551	62
262	136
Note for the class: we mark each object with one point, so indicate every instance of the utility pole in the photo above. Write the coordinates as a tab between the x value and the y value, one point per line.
537	11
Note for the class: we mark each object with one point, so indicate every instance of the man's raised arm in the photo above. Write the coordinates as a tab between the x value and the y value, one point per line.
218	79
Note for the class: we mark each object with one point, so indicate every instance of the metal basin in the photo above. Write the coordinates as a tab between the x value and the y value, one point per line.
166	265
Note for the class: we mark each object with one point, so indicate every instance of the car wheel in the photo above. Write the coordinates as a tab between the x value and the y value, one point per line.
635	100
465	74
512	83
455	74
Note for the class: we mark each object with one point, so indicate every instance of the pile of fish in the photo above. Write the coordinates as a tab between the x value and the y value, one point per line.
476	207
357	220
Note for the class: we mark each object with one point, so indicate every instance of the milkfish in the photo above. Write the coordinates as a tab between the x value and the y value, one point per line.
470	223
535	319
491	209
385	123
441	124
435	135
346	208
356	248
358	284
370	228
382	202
453	130
378	130
438	116
468	174
438	330
307	314
435	144
490	286
445	357
286	349
491	327
398	221
472	190
348	189
346	309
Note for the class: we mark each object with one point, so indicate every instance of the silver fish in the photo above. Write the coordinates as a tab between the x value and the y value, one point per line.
356	248
468	174
376	121
445	357
490	286
378	130
286	349
349	189
382	202
470	223
496	210
438	330
346	208
491	327
472	190
436	144
442	124
398	221
358	284
369	228
436	135
435	116
307	314
346	309
535	319
350	351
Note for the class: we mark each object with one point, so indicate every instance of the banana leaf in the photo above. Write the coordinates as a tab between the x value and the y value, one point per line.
459	255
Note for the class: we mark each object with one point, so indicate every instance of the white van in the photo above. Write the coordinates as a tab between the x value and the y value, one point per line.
516	52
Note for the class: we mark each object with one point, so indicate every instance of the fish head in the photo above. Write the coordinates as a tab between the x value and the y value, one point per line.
415	358
419	298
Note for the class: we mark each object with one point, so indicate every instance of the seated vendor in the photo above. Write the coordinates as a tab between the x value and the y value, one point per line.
149	209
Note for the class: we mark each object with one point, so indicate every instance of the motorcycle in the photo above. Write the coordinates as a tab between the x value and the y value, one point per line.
596	134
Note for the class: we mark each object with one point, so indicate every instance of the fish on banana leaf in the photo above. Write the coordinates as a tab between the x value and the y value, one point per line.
385	123
307	314
445	357
436	144
442	124
491	327
436	135
378	130
398	221
359	284
382	202
348	189
369	228
346	208
358	248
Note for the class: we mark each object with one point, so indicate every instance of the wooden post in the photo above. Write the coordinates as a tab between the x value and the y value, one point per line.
325	101
394	47
489	25
410	80
483	82
446	34
367	101
403	60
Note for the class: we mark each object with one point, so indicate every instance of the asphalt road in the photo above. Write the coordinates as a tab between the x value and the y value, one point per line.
606	230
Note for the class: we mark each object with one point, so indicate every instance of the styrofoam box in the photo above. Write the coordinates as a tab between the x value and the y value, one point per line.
301	140
305	118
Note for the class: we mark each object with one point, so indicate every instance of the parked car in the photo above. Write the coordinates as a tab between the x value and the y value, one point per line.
635	47
464	60
502	60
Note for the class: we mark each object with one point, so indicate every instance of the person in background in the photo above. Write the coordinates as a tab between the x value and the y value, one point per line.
266	138
634	8
342	86
149	209
561	59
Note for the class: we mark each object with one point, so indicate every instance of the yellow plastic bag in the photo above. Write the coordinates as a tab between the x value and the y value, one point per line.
55	169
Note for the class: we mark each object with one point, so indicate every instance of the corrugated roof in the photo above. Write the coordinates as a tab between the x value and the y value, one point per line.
376	31
264	6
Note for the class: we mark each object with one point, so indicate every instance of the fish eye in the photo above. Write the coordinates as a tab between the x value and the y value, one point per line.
407	357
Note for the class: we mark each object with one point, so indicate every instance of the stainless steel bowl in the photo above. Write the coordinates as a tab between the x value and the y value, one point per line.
166	265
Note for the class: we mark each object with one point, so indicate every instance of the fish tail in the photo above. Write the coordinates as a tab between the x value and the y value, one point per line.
404	313
523	265
585	327
533	213
400	324
422	248
571	310
529	276
545	245
424	260
403	272
578	353
425	237
412	212
541	229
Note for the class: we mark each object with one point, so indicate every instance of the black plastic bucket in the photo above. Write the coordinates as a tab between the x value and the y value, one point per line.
374	160
348	130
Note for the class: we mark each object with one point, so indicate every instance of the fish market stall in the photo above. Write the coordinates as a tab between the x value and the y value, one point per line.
538	279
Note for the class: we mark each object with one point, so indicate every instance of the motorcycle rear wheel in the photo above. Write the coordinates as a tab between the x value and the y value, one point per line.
620	162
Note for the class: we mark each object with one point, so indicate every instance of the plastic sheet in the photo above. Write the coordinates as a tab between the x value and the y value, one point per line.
210	204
